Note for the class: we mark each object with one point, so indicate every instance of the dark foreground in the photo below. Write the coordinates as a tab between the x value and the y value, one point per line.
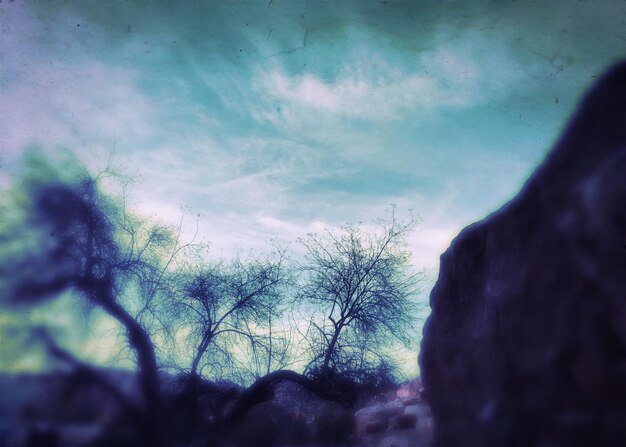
58	410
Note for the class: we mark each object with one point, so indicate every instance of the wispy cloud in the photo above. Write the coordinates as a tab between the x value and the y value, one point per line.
464	71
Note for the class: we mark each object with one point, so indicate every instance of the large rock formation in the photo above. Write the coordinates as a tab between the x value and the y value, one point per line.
526	343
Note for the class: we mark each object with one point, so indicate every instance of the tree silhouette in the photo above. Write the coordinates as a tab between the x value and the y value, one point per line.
363	285
227	305
72	237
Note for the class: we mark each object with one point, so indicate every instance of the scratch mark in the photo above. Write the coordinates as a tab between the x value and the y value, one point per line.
291	50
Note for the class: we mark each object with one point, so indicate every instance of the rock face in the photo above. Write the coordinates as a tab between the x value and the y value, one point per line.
526	343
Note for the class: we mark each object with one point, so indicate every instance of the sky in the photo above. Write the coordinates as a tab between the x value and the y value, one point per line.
277	118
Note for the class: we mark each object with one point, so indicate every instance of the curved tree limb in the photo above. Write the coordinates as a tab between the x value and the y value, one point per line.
263	390
90	372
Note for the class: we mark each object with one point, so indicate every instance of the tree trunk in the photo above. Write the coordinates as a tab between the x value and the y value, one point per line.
329	352
148	372
201	350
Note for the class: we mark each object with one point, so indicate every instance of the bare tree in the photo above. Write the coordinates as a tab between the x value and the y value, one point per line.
65	235
363	285
227	306
71	237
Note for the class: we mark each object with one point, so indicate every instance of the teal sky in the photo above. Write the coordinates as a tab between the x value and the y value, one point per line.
277	118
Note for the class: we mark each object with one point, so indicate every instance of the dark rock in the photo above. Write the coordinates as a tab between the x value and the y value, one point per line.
405	421
375	427
375	419
526	343
334	424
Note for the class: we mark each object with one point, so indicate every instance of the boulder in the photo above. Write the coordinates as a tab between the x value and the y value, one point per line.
420	411
376	418
405	421
526	342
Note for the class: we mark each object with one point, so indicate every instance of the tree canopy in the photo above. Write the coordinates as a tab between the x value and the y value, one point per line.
210	319
363	285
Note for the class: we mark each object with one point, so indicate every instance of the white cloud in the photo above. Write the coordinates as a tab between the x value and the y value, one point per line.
461	72
290	228
349	97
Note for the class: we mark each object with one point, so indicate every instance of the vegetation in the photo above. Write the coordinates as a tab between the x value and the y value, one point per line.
224	305
210	320
361	283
